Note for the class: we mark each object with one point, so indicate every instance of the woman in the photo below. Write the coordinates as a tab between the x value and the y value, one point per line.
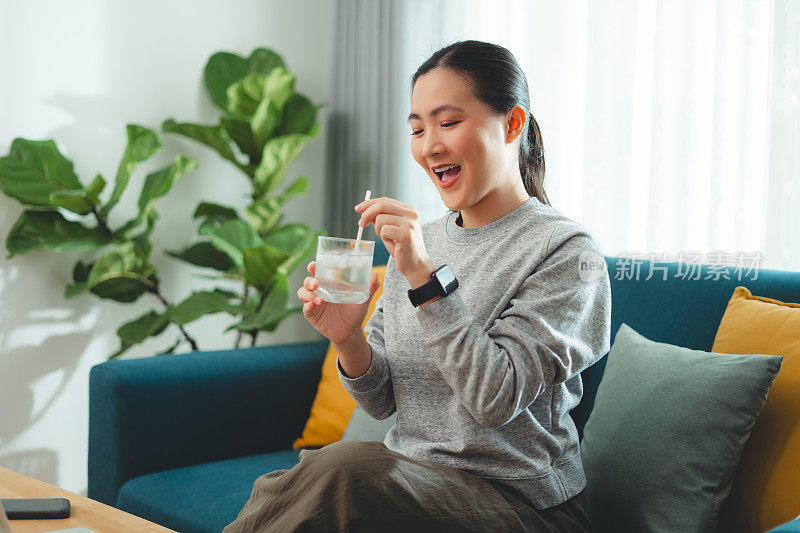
482	378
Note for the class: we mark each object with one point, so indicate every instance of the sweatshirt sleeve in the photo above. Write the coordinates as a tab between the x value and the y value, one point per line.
553	327
373	390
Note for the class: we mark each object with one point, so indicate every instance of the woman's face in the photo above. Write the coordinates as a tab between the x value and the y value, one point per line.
465	132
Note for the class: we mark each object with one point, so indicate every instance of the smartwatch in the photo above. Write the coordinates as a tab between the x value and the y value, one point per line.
442	283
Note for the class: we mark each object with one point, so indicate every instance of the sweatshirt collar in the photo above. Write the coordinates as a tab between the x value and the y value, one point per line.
494	229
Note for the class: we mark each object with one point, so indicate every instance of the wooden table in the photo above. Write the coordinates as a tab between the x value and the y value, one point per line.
84	512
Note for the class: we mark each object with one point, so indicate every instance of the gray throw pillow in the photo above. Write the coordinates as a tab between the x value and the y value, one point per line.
661	445
364	427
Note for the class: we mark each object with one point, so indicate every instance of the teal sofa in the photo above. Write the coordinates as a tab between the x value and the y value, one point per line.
180	439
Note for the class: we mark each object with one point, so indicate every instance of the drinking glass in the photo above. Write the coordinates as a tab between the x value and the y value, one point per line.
343	272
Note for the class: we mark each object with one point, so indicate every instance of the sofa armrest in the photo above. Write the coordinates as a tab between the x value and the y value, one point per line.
158	413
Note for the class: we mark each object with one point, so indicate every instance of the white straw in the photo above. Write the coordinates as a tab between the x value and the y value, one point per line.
361	228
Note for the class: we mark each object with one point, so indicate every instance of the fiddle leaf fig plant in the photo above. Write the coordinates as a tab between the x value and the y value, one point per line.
263	127
40	177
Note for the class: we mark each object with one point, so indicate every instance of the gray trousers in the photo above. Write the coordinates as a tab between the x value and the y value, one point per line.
354	486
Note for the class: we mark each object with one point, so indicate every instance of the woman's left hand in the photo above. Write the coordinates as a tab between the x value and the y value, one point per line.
399	227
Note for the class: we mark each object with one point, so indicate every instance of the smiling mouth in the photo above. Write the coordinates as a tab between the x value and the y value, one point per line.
446	176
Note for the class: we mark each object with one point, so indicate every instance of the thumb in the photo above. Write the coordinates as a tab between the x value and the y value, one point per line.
374	285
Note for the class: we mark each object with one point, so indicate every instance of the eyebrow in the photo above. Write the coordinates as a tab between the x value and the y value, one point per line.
445	107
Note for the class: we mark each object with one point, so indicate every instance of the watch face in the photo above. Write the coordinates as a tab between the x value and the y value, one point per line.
447	279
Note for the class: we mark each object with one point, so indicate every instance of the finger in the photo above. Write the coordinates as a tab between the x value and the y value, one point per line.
312	266
383	206
390	232
373	286
308	296
390	220
309	310
311	283
363	205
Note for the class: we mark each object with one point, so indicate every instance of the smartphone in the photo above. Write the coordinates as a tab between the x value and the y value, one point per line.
5	526
19	508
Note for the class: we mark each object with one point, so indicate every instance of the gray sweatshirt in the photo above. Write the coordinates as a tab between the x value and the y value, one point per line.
483	379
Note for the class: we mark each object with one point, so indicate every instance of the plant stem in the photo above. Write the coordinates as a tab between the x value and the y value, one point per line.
185	334
101	222
254	331
244	302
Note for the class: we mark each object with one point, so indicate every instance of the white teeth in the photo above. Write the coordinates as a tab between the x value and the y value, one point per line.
445	168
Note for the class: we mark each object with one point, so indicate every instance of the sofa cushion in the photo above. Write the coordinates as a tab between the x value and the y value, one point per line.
766	490
202	498
788	527
333	406
364	427
668	426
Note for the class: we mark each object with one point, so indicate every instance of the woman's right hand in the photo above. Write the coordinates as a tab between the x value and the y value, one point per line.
337	322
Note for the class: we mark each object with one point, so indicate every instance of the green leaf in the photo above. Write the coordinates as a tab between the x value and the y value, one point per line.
156	185
290	238
95	188
34	169
213	211
49	230
149	324
266	118
143	239
242	135
273	324
264	60
203	303
215	137
80	201
303	251
205	255
225	68
261	264
279	87
264	214
273	309
298	188
314	130
75	289
299	115
122	274
142	143
279	152
232	237
213	215
74	201
245	95
80	273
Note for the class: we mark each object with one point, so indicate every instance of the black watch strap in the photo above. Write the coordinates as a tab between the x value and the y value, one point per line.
442	283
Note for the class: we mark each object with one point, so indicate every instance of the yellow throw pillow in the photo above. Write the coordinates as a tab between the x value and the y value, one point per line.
766	489
333	405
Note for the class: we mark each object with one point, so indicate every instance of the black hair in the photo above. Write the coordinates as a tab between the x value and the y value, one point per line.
497	80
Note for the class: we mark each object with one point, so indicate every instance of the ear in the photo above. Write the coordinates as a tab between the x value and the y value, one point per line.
515	122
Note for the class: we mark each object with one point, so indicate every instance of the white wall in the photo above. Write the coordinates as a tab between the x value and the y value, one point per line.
77	72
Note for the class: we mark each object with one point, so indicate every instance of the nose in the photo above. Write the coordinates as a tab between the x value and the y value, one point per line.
431	145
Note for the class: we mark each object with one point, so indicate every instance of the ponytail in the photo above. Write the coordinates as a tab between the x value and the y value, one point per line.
531	162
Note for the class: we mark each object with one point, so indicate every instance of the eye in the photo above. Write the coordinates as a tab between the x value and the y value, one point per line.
443	125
